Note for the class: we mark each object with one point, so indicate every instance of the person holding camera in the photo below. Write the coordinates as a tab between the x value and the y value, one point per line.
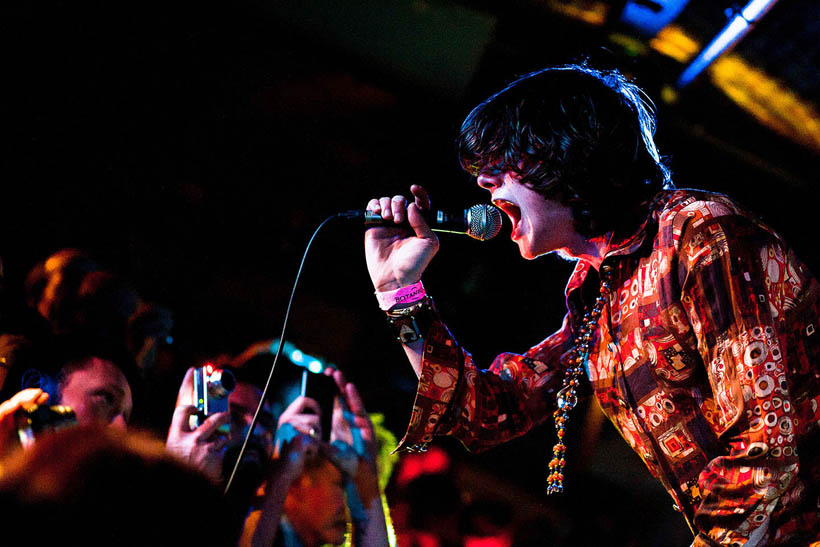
24	400
201	447
96	387
313	485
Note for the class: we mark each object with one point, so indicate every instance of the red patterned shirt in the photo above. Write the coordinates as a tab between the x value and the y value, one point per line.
705	359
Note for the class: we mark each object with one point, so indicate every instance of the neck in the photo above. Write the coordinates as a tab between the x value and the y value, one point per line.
590	250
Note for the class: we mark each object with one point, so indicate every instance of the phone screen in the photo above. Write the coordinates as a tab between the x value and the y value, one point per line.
322	389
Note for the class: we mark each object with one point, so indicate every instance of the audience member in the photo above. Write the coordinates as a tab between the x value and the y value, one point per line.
201	447
316	490
74	302
95	486
95	385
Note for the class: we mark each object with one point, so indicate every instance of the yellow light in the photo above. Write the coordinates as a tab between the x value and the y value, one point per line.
588	11
673	42
768	100
631	45
669	94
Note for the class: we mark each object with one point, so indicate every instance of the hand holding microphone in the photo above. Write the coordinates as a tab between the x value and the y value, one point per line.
397	257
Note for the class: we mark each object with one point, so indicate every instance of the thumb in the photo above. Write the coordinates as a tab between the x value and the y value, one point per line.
418	223
181	421
186	389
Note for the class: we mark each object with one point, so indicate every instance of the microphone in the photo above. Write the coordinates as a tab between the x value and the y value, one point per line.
481	222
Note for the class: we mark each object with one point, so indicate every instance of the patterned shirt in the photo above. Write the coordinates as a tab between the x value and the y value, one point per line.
705	359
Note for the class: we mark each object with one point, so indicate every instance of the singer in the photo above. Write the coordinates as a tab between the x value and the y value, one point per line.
693	325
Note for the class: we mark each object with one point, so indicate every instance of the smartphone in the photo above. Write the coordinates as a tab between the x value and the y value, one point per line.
323	390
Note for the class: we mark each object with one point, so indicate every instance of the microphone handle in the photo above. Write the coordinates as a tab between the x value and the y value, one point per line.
439	221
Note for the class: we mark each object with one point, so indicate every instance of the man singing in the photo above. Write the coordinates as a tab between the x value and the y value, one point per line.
694	324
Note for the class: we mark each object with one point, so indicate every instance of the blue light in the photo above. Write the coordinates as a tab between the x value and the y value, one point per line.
650	19
728	37
755	8
721	42
300	358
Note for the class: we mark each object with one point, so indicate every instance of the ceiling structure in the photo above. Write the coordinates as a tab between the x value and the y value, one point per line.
770	73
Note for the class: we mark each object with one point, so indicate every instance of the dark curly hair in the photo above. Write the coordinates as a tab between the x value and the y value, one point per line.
575	134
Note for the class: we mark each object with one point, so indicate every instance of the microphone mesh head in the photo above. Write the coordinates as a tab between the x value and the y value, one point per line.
484	221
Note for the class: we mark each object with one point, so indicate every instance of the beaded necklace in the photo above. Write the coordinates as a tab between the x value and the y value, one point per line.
567	397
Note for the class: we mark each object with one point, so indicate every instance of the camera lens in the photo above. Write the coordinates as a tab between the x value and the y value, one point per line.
228	380
221	383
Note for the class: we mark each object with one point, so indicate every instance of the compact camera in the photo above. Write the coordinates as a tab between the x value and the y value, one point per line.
33	421
212	386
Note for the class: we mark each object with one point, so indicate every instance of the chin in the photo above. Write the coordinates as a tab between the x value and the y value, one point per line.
527	253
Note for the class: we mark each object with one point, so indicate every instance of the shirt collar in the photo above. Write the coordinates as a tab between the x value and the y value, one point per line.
627	245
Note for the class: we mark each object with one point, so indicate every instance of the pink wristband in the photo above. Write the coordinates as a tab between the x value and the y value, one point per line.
403	295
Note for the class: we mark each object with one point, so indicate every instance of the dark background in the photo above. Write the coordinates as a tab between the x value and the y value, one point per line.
193	147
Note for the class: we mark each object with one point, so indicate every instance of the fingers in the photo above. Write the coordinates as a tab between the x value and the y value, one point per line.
308	424
396	207
422	199
303	414
374	205
218	443
23	399
418	223
292	442
350	393
209	428
399	206
354	400
185	397
182	418
298	406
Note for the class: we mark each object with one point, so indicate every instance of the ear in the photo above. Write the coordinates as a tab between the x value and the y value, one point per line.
36	378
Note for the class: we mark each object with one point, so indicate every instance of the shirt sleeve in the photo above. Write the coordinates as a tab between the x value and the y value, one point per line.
738	307
483	408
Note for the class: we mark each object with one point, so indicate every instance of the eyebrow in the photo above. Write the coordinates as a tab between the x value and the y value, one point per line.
113	387
120	392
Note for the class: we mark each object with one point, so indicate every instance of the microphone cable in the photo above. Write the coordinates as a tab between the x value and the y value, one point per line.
276	357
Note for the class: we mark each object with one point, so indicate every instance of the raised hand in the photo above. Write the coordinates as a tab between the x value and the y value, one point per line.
351	426
22	399
397	256
203	447
298	437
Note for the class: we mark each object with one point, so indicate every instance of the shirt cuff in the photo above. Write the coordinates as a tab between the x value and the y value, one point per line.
441	371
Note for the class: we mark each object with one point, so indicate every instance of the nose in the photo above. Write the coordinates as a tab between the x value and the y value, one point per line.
119	423
490	181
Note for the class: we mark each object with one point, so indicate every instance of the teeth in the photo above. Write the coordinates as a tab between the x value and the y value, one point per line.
504	205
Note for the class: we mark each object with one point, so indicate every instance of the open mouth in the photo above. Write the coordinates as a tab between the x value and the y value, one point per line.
512	211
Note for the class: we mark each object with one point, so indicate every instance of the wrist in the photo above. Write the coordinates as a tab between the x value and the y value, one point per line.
393	284
411	323
401	297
